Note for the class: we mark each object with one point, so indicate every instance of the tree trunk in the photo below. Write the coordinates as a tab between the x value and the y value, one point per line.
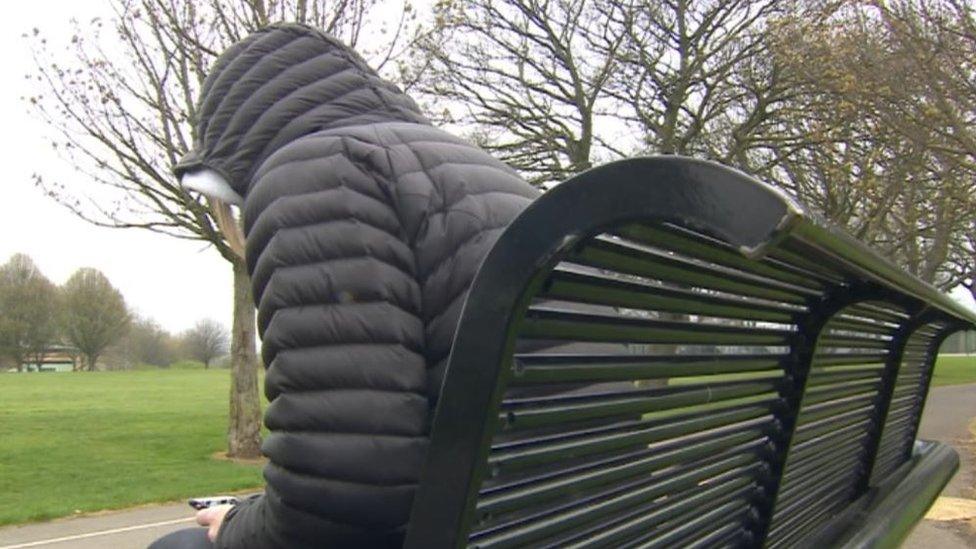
244	427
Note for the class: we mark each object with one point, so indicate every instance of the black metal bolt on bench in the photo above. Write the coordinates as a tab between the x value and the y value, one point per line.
781	368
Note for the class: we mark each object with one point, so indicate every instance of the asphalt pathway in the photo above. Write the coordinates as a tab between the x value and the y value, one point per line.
132	528
947	415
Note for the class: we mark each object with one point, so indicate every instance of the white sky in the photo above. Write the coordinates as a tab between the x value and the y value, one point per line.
173	281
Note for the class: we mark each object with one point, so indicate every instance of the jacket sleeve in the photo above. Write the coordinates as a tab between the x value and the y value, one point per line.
343	342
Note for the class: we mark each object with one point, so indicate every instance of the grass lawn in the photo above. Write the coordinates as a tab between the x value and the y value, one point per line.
78	442
86	441
955	369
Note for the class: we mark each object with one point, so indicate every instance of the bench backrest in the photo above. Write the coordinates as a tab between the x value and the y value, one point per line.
666	352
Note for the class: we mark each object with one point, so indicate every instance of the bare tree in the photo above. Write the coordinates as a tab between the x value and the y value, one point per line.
146	342
936	42
122	102
95	315
812	95
857	141
695	77
205	341
28	310
553	86
931	100
963	261
527	78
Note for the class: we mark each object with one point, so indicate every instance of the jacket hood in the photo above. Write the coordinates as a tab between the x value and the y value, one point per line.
277	85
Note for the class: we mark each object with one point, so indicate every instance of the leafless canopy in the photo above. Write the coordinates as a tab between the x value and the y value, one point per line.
206	340
874	154
121	102
553	86
856	106
528	78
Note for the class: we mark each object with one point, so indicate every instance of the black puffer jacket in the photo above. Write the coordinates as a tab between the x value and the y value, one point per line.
365	226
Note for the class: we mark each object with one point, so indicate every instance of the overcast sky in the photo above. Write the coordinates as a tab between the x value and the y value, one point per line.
173	281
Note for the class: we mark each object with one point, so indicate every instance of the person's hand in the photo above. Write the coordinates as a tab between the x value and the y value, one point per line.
212	518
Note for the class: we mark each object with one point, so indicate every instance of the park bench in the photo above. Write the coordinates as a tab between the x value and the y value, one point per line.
714	367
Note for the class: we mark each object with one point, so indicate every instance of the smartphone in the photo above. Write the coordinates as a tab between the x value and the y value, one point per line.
203	503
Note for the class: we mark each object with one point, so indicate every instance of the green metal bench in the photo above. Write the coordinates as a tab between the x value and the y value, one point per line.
719	369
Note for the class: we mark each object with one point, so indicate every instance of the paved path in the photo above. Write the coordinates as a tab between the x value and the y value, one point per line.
132	528
948	412
947	415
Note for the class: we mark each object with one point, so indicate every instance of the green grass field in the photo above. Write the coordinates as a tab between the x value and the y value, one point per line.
77	442
955	369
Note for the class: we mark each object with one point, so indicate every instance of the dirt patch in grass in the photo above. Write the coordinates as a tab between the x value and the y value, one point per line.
222	456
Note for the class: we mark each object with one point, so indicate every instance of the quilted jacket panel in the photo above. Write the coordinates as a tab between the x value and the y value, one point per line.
364	227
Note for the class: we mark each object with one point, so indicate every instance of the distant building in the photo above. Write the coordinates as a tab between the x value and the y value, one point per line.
58	358
960	343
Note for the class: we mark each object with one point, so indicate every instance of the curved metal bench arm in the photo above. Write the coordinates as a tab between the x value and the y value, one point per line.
726	208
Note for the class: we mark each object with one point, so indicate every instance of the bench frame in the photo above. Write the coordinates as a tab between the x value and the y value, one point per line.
716	200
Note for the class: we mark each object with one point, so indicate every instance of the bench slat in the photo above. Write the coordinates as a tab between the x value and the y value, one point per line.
690	426
531	413
711	250
594	508
642	463
602	289
566	368
550	323
621	257
715	518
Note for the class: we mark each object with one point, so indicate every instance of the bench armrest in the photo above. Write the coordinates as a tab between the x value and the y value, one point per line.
888	514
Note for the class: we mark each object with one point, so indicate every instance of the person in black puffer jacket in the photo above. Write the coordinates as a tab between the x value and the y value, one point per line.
364	226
